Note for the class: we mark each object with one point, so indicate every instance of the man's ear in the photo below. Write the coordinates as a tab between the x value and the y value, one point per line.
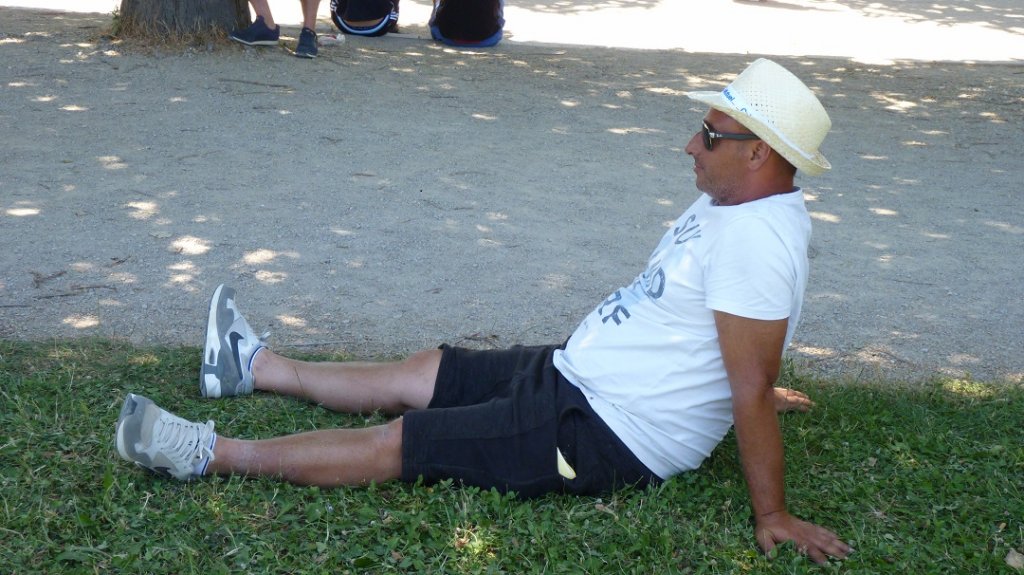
759	153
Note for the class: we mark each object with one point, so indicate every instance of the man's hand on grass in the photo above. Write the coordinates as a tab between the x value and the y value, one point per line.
791	400
812	540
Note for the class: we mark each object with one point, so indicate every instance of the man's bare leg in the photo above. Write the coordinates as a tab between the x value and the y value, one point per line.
309	10
351	387
262	8
327	458
333	457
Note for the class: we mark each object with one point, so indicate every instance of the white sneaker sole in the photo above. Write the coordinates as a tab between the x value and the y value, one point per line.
210	386
256	43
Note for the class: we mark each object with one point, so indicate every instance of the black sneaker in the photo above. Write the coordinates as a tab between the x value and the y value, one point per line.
307	44
257	34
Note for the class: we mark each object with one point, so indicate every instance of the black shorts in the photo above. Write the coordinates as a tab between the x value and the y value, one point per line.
496	419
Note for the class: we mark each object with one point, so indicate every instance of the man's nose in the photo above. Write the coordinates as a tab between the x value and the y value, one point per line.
691	146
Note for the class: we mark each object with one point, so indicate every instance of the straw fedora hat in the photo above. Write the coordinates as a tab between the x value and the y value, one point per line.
774	104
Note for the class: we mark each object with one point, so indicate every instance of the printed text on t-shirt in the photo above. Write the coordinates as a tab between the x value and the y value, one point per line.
653	280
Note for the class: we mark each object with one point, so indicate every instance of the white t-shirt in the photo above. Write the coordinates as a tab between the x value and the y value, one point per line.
648	358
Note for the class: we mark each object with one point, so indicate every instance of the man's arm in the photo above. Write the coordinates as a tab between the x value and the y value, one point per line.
752	352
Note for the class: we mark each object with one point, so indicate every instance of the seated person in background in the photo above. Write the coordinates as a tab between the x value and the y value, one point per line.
468	23
365	17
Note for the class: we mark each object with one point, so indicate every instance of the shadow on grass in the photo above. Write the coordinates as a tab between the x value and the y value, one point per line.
919	478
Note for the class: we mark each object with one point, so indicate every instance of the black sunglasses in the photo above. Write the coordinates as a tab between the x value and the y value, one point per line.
709	136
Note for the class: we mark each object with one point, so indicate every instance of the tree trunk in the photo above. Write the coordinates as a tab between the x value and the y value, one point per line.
182	17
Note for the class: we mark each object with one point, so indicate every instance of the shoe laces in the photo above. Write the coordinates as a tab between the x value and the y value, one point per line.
183	440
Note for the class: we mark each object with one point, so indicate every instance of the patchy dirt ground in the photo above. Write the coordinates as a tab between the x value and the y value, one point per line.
394	194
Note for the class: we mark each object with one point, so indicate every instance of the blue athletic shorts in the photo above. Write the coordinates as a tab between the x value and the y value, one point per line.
496	419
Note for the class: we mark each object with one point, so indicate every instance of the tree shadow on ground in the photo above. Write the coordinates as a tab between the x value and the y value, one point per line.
395	167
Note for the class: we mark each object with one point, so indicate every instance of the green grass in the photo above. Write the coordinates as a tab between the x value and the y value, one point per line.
924	478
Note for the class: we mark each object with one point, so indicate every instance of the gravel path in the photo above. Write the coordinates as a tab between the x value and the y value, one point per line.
394	194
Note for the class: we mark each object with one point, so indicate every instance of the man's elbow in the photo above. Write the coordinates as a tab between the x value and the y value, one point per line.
754	391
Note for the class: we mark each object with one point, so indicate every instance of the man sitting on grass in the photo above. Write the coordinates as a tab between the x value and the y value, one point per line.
645	388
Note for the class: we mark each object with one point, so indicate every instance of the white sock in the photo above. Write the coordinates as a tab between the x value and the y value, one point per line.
252	358
199	469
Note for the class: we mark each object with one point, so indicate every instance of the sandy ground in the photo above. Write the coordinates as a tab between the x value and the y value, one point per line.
394	194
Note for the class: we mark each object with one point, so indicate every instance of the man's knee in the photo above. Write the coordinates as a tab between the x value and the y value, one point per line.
427	361
391	447
422	368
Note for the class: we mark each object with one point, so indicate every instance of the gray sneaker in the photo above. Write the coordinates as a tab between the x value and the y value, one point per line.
160	441
230	346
